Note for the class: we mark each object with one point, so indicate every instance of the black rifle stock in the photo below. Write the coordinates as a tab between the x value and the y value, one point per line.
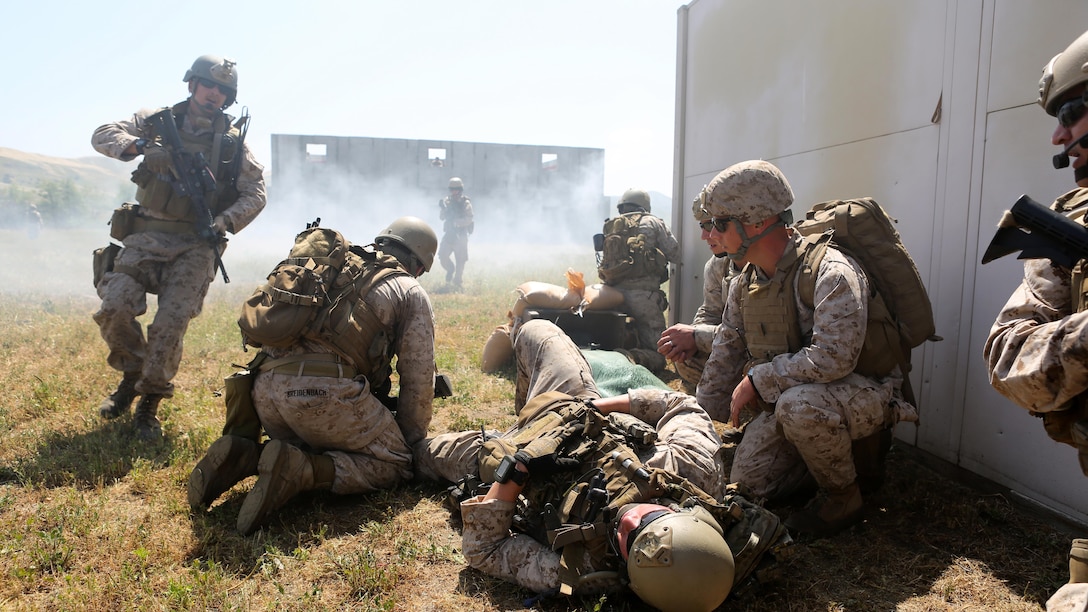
192	179
1038	233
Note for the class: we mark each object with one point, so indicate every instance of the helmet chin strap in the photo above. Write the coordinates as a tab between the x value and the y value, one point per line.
746	242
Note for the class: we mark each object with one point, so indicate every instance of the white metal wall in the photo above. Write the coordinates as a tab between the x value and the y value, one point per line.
928	107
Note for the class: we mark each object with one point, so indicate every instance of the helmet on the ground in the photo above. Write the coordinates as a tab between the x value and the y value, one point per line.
677	560
698	207
415	235
219	70
750	191
456	183
1063	73
633	199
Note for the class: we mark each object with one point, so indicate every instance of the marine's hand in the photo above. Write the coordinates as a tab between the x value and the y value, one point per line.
677	343
743	394
540	457
157	158
219	224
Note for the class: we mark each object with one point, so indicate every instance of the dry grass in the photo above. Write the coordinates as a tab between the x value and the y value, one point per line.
90	519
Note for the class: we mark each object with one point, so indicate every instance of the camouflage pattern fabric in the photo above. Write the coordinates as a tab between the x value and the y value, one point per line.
820	405
177	267
338	417
112	139
1034	350
716	274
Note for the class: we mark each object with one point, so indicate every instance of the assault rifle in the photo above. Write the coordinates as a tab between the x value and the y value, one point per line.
1038	233
192	179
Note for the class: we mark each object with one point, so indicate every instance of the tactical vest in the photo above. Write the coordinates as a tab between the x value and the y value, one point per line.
223	150
769	311
627	254
575	511
351	328
454	211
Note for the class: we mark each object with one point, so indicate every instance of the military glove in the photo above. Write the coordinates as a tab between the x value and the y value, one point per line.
219	224
157	158
540	456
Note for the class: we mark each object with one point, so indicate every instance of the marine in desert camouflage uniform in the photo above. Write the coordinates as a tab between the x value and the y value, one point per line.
814	404
688	346
643	299
1036	351
327	429
548	360
164	255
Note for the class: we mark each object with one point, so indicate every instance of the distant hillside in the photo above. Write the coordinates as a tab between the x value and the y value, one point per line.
94	172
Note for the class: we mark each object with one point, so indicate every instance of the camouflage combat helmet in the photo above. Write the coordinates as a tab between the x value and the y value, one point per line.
750	191
1063	73
634	199
414	234
456	183
222	71
698	207
679	560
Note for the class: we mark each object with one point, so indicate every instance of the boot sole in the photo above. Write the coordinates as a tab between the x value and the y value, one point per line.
259	502
214	475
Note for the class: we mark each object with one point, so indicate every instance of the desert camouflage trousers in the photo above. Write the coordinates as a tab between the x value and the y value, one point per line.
547	360
647	309
177	267
340	418
810	432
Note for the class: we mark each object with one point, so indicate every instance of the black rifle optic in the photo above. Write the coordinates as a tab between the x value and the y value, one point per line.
1038	233
192	179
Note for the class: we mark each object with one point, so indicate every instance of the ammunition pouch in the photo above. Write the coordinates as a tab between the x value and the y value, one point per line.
123	221
102	261
241	418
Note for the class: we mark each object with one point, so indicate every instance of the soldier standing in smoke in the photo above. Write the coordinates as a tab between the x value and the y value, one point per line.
456	212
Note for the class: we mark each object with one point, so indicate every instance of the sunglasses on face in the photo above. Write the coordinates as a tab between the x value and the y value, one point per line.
223	89
1070	112
716	224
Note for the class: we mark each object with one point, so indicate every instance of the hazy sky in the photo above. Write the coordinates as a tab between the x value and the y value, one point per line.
580	73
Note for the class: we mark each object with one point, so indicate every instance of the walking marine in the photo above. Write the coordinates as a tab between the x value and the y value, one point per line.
174	234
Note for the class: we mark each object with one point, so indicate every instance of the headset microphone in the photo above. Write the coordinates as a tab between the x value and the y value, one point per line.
1061	160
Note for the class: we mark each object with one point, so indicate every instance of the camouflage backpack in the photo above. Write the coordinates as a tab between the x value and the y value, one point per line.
290	304
900	313
626	254
574	512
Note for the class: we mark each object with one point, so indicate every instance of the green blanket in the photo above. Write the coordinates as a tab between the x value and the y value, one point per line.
615	374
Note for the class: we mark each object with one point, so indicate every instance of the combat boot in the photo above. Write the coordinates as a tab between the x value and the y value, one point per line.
283	472
830	513
229	460
147	424
120	400
1078	561
870	454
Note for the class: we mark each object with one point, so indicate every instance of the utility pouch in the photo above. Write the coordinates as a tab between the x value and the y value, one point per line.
123	221
102	261
241	418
